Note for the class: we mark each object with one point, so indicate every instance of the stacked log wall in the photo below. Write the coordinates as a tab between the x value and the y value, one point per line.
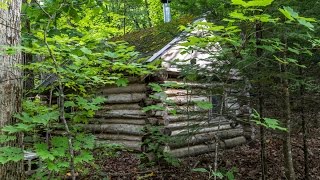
195	130
121	119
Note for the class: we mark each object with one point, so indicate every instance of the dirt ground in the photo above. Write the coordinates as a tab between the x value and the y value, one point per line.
246	159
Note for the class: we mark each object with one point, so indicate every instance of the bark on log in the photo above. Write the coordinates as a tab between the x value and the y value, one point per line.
200	130
131	88
192	150
229	143
138	114
157	121
125	98
118	121
115	128
201	149
180	100
194	85
186	109
182	141
179	117
184	92
107	107
195	124
133	145
119	137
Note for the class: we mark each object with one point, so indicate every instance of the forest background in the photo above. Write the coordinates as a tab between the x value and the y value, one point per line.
275	44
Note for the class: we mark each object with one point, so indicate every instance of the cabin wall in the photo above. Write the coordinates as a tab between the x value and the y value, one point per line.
121	119
193	130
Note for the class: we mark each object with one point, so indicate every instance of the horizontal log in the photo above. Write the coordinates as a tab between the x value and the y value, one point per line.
186	109
115	128
195	124
194	85
139	114
192	150
229	143
125	98
133	145
201	149
200	130
131	88
157	121
203	138
180	100
118	121
184	92
119	137
179	117
107	107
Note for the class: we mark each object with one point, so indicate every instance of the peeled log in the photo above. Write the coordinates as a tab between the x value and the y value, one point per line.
119	121
119	137
125	98
131	88
133	145
139	114
115	128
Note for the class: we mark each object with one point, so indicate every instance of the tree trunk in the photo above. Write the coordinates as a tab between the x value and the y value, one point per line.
304	128
10	79
261	102
287	152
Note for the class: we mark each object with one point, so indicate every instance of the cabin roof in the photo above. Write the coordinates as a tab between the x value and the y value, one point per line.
150	40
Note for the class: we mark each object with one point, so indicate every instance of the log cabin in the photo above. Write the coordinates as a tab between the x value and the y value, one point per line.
176	110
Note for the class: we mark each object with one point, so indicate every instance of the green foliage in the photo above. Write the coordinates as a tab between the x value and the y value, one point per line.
8	153
219	174
155	143
254	3
289	13
72	57
266	122
204	105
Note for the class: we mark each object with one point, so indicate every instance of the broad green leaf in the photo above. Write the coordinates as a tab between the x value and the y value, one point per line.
8	154
69	104
218	174
156	87
122	82
5	138
286	14
84	156
153	107
43	152
257	3
296	51
306	24
200	170
204	105
86	50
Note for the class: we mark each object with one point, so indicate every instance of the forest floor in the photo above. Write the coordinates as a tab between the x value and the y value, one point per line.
246	159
